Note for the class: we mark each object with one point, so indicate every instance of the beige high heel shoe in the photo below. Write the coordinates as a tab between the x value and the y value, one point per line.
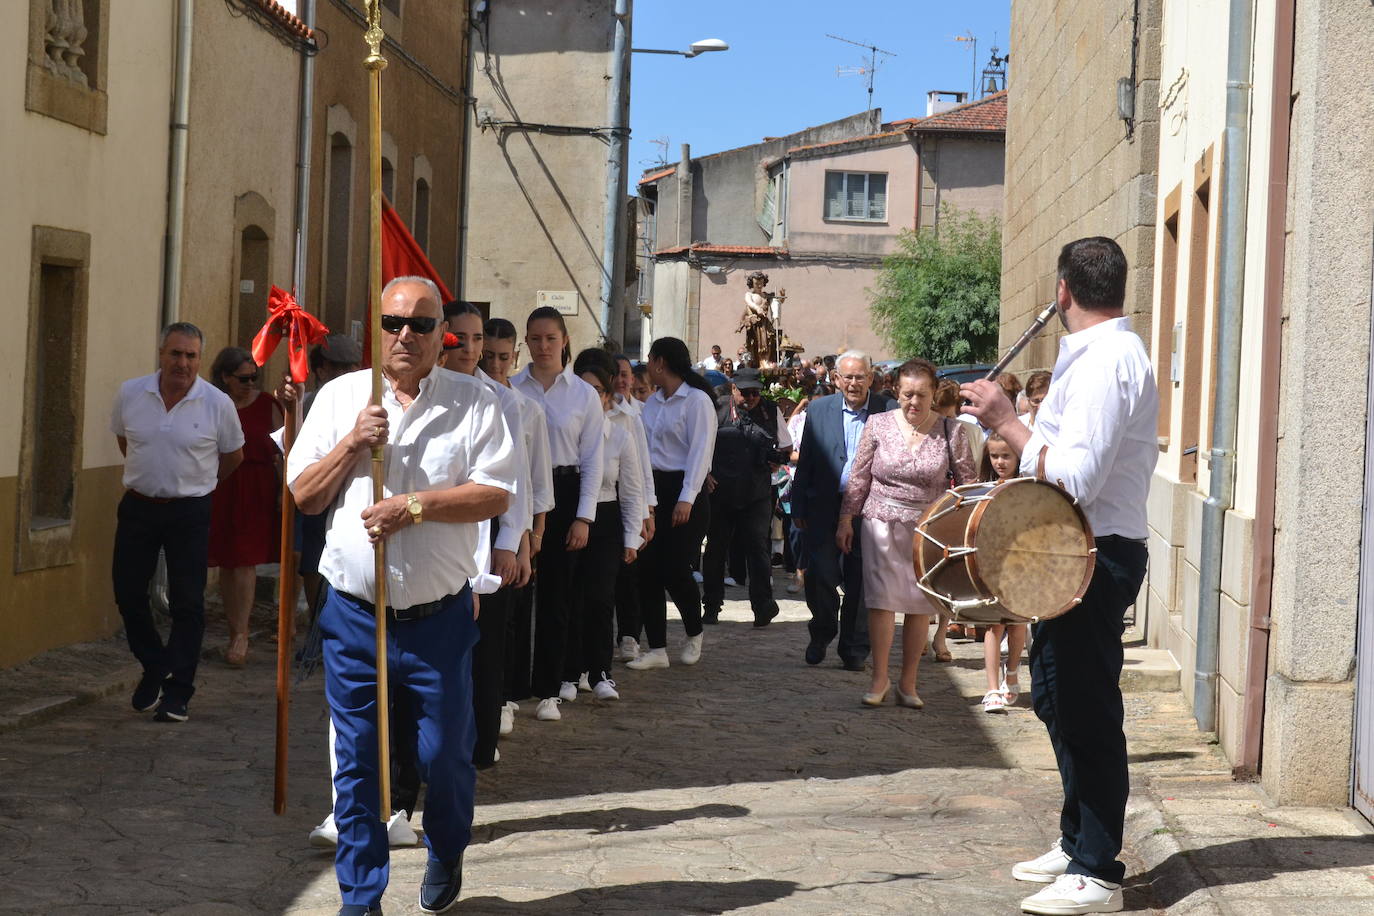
877	699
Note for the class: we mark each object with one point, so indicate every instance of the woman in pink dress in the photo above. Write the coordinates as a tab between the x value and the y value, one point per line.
906	458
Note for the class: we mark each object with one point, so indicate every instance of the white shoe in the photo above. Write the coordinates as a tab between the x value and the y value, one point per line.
325	836
508	718
583	684
1071	894
730	581
691	652
399	832
567	691
547	711
496	755
629	649
605	690
697	577
654	658
994	701
1044	869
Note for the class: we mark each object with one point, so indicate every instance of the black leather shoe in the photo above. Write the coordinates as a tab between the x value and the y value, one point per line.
850	665
711	616
441	886
764	619
358	909
147	693
815	653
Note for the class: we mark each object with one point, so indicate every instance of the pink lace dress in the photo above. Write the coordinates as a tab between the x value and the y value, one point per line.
890	486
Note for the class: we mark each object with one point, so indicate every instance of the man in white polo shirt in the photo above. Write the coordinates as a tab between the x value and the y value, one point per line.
180	436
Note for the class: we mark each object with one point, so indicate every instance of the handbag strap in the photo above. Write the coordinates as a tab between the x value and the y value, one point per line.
950	473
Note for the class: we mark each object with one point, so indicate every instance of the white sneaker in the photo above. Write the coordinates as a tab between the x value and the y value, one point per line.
508	718
547	710
583	684
697	577
730	581
1071	894
691	652
325	836
399	832
496	755
605	690
567	691
654	658
629	649
1044	869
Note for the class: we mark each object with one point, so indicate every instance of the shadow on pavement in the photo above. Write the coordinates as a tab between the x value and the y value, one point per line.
659	898
603	821
1253	861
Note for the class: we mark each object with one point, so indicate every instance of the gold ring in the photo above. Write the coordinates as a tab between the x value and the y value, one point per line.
376	531
376	430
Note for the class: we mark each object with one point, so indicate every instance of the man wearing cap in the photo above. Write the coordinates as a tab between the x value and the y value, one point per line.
751	443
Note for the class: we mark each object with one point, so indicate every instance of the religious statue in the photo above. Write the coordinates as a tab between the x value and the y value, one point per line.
759	323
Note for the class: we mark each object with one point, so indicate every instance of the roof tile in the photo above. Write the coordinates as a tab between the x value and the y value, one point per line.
988	113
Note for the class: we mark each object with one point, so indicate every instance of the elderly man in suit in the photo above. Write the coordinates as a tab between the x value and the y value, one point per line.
829	442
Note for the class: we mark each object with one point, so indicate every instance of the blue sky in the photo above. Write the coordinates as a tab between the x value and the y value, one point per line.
780	72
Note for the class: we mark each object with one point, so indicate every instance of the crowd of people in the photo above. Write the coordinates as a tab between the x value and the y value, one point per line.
538	520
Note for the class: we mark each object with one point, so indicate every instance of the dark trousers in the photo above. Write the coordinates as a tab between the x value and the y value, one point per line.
429	664
554	589
181	529
793	545
827	569
1075	689
746	525
738	562
666	563
489	672
628	617
520	642
593	625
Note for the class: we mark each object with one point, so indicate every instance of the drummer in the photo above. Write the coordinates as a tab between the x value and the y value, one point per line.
1095	432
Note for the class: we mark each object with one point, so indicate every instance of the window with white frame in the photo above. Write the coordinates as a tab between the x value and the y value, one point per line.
856	196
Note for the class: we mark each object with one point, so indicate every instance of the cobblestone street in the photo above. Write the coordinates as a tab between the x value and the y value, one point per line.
749	783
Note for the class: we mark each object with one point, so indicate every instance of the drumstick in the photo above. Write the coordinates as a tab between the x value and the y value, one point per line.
1020	345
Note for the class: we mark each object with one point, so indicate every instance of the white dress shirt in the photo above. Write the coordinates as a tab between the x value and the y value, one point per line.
452	433
518	518
573	411
536	429
174	453
623	480
1099	419
682	437
627	413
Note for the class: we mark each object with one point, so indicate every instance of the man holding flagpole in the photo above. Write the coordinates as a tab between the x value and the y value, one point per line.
450	463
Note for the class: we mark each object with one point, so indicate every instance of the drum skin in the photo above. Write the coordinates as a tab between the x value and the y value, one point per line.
1033	550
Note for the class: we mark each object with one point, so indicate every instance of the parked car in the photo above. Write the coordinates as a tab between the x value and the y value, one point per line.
963	372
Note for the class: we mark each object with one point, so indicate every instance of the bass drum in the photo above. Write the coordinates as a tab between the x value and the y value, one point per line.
1011	551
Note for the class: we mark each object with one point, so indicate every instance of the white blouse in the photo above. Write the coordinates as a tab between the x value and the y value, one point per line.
572	410
682	437
622	478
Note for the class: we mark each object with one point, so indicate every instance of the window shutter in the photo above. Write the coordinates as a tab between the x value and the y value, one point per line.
877	197
768	214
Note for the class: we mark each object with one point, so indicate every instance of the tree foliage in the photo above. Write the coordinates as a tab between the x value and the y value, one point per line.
938	296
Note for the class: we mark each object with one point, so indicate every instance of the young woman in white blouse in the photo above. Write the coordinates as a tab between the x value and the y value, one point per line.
573	414
626	410
614	541
680	420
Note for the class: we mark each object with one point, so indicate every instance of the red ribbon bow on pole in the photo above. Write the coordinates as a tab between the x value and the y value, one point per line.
285	318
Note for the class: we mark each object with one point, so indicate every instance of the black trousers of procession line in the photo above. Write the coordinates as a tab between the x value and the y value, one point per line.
592	625
1075	689
666	563
489	672
827	569
553	594
181	529
745	526
520	641
629	619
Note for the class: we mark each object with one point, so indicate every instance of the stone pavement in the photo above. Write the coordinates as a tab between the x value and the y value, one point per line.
750	783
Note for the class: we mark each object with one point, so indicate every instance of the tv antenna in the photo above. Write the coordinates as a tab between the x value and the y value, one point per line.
870	71
968	36
662	158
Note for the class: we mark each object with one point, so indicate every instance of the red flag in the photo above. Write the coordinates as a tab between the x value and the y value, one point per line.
401	257
285	318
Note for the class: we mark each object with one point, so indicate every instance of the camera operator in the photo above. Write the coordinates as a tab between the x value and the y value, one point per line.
751	443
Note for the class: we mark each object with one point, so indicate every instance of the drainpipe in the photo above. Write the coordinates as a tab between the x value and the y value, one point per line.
1262	563
304	137
1230	307
176	177
614	220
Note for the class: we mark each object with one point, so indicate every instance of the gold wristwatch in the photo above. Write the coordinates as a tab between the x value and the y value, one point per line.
414	508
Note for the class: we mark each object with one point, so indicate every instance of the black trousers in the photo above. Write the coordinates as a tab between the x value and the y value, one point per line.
666	563
827	569
628	616
554	589
489	672
1075	689
520	642
745	526
592	628
181	529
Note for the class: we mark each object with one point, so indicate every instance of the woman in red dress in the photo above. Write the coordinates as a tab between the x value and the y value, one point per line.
244	525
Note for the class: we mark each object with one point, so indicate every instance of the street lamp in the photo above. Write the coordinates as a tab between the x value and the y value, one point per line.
697	47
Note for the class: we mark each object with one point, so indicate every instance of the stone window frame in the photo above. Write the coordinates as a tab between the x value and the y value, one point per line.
46	90
52	545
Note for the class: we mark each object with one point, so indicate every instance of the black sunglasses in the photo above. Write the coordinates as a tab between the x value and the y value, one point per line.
420	324
750	393
247	379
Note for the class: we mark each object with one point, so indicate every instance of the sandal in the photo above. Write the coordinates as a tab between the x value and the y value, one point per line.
943	655
993	701
1011	685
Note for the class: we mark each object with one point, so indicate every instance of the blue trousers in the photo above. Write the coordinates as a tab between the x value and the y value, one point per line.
430	666
1075	689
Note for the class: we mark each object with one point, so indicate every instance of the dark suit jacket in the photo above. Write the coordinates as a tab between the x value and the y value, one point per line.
820	459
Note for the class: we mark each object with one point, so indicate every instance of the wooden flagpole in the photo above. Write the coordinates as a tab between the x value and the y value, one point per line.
286	607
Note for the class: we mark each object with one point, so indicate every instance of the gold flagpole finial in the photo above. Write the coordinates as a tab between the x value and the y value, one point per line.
373	36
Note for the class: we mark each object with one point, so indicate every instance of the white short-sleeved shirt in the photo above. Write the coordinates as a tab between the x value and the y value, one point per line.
453	433
174	453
